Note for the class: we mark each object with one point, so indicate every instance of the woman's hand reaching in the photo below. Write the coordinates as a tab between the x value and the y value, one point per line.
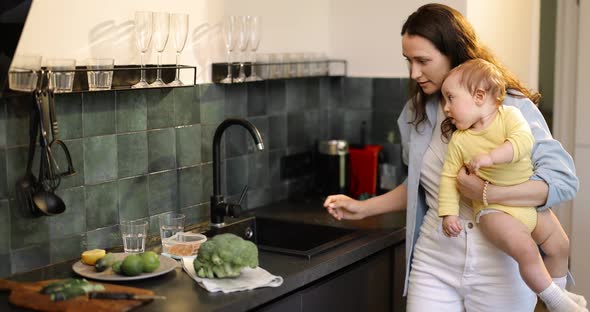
469	185
344	207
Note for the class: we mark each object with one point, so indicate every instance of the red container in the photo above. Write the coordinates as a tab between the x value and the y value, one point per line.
363	170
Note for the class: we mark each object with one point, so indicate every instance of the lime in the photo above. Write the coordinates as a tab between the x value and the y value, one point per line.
151	261
117	267
132	265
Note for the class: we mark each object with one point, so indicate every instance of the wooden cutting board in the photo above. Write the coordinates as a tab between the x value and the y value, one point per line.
27	295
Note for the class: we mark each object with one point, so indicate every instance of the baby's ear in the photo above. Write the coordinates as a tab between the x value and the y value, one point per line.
479	96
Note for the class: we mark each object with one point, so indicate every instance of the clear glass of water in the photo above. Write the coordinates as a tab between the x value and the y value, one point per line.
100	73
170	224
61	74
134	235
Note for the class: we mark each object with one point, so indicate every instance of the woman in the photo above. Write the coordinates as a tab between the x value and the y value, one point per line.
465	272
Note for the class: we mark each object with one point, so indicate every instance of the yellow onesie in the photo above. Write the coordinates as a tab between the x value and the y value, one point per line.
508	125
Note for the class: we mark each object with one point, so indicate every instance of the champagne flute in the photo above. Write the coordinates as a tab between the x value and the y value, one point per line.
161	30
243	38
143	36
229	37
179	24
254	29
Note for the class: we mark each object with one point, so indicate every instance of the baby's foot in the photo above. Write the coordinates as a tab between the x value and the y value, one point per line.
579	300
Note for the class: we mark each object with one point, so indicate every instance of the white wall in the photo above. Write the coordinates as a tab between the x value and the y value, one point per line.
93	28
581	211
511	29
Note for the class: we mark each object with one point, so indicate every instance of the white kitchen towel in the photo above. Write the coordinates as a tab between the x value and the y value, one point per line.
249	279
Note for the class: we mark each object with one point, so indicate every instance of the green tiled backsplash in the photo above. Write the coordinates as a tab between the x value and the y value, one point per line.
141	153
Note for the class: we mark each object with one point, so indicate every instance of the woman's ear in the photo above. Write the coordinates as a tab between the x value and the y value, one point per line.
479	96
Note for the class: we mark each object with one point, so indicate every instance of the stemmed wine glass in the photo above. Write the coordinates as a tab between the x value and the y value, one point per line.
160	36
143	35
179	23
229	37
254	30
243	38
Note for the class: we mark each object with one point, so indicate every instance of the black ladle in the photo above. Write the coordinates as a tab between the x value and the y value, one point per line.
45	202
26	185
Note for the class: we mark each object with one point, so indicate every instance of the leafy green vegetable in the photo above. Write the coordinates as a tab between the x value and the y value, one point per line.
225	255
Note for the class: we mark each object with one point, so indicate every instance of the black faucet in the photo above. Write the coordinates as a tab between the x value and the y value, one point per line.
219	208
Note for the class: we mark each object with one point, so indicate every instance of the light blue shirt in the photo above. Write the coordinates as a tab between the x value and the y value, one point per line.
551	162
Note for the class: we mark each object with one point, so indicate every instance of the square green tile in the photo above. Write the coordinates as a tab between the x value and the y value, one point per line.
99	113
163	192
103	238
16	164
195	214
3	176
212	113
17	120
132	154
100	159
236	176
73	220
207	182
160	108
3	122
207	133
211	92
186	106
161	149
258	170
30	258
189	186
6	267
188	146
24	230
68	108
133	198
101	203
76	149
4	227
67	248
131	110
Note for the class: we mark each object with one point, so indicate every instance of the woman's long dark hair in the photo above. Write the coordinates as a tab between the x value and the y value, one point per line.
455	38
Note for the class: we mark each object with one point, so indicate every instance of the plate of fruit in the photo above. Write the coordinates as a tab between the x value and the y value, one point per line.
99	265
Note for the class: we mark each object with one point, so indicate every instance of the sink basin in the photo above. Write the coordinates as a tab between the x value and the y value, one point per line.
286	237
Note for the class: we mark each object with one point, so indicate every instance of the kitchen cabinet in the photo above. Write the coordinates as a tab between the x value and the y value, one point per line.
372	284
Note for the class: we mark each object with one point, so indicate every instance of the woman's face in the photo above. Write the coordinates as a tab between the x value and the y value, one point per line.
428	67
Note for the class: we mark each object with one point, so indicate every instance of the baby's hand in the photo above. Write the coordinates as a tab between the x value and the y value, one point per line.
451	226
479	161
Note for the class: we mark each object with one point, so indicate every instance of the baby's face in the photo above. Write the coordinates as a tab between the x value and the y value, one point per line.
460	105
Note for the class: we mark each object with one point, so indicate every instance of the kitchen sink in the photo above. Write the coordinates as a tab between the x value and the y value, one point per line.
287	237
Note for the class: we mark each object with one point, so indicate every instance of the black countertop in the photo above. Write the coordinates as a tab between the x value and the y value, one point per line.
184	294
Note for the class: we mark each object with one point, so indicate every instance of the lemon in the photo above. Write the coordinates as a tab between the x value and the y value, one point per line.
90	256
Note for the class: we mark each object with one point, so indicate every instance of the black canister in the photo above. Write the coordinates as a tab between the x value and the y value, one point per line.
332	171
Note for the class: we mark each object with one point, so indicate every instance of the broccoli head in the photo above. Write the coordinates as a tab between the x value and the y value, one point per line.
225	255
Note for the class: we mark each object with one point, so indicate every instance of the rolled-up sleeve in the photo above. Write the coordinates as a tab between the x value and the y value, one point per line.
552	163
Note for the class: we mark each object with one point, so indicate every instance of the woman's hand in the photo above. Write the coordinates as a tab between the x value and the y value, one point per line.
451	226
469	185
344	207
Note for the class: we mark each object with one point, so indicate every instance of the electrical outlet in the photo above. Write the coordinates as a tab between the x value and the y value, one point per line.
296	165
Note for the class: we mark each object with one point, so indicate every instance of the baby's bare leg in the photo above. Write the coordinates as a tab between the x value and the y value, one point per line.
554	241
513	237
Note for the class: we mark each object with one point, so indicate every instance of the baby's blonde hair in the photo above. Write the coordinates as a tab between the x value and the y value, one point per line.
481	74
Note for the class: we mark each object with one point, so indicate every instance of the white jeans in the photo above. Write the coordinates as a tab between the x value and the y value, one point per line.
464	273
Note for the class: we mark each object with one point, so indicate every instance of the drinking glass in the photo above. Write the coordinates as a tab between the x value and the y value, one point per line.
229	38
179	25
170	224
254	29
99	75
160	37
243	38
23	72
143	36
134	234
61	74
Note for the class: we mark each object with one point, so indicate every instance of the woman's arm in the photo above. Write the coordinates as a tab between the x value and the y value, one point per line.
553	180
343	207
